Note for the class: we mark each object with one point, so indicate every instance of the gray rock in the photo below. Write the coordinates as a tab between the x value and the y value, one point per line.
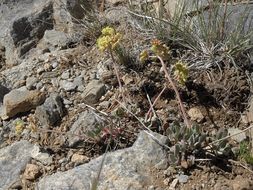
87	121
55	40
43	157
55	65
19	101
78	81
31	83
3	90
182	178
13	161
51	111
239	137
67	85
123	169
93	92
65	75
24	24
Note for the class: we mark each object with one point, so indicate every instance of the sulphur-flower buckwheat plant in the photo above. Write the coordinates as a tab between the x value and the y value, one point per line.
162	52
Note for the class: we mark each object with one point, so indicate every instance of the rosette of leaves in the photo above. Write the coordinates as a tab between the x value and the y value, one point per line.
221	147
186	142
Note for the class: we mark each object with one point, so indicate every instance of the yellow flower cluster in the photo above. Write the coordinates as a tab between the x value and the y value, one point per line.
19	127
160	49
181	72
108	39
143	56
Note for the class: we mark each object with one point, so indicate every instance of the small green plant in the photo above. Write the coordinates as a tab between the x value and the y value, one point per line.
188	143
244	152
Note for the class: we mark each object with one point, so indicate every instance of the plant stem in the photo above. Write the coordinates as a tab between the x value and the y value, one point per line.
157	98
116	70
225	2
176	91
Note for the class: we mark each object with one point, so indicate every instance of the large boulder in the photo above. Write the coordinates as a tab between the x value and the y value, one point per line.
13	160
129	168
24	22
23	25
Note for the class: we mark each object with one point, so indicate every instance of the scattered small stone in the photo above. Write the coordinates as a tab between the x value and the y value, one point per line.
65	75
170	171
239	137
86	122
42	157
93	92
51	111
67	85
182	178
31	83
32	172
78	81
242	183
167	181
173	184
54	65
195	114
78	158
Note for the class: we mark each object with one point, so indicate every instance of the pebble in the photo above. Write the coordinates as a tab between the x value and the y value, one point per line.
182	178
65	75
68	86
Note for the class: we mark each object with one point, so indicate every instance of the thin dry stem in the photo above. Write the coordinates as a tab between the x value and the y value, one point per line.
157	98
187	123
229	136
116	72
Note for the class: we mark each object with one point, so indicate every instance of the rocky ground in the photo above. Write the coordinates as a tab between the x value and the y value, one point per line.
63	116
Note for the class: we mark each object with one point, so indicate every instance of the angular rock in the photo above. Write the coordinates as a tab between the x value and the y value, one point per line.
55	40
32	172
51	111
87	121
24	24
242	183
195	114
43	157
13	160
182	178
31	83
19	101
241	136
67	85
123	169
93	92
3	90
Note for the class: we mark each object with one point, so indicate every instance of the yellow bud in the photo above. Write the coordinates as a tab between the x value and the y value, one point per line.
19	127
108	31
143	56
181	72
160	49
